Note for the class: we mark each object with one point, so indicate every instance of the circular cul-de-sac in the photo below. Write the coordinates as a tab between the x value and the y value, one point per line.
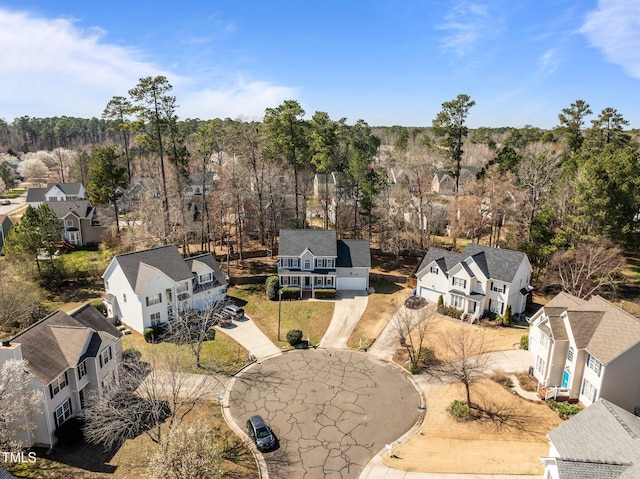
331	410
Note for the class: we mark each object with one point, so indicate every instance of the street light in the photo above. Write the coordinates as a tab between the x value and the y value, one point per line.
279	310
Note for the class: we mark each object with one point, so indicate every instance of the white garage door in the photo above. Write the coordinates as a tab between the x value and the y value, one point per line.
352	284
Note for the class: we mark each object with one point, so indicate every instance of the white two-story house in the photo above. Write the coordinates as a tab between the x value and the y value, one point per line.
586	350
477	280
313	259
70	359
147	288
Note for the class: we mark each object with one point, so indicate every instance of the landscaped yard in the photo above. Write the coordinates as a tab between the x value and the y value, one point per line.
223	354
83	461
381	306
486	446
311	317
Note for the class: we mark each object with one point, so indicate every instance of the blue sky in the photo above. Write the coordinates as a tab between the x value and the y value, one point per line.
385	61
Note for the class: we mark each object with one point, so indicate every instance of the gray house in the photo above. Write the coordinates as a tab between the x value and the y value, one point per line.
603	441
313	259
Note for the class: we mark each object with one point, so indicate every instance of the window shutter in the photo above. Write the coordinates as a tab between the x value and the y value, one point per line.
70	407
66	381
160	297
147	300
51	390
100	360
55	419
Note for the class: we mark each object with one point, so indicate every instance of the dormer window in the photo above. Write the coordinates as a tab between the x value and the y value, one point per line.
182	288
433	270
205	278
307	264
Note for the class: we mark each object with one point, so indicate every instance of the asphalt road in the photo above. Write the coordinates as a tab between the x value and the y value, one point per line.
331	410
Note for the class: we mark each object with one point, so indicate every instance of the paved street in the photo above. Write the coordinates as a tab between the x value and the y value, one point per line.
332	410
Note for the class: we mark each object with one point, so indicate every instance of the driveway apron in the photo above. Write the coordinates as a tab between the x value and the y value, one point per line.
250	337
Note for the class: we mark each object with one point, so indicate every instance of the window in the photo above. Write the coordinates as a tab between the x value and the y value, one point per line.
205	278
329	281
284	280
318	280
589	391
307	264
594	364
294	281
290	262
124	297
540	362
107	383
154	299
570	354
58	384
496	307
63	413
544	340
457	301
433	270
182	288
105	356
498	288
82	369
155	319
459	282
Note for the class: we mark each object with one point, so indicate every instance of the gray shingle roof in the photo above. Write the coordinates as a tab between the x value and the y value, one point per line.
497	263
617	441
61	341
568	469
210	261
353	254
445	259
80	208
319	242
36	195
164	258
66	188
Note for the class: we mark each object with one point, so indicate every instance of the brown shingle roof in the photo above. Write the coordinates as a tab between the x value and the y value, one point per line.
583	326
558	329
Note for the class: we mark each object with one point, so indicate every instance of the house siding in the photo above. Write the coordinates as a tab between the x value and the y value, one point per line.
617	385
128	312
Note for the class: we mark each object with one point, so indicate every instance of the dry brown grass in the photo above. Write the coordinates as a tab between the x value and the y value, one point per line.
381	306
487	446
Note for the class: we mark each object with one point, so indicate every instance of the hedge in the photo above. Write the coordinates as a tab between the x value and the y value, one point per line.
324	293
271	285
291	292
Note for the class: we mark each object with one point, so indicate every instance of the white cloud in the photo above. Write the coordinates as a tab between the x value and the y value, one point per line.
467	23
243	98
52	67
614	28
548	63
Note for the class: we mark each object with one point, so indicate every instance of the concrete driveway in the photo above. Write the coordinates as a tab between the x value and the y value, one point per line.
332	411
349	307
251	337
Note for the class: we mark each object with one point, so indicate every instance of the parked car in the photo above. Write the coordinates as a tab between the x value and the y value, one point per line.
260	433
233	311
6	202
222	320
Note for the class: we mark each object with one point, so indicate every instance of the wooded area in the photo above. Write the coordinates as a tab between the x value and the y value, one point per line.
228	182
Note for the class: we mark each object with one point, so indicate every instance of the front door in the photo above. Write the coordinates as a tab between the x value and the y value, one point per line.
307	282
565	379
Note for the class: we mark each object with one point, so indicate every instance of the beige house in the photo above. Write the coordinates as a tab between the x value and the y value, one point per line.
585	350
71	357
444	183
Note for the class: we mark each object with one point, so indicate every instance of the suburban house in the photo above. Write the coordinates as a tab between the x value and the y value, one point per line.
199	180
444	183
5	226
585	350
603	441
330	183
71	358
313	259
77	215
147	288
477	280
401	176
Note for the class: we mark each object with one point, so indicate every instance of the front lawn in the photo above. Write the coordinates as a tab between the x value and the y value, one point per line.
223	354
381	307
311	317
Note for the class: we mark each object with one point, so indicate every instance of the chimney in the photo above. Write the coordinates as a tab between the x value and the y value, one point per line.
6	344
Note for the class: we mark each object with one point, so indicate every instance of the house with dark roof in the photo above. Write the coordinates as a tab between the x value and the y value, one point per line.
477	280
149	287
314	259
71	357
585	350
79	218
601	442
444	183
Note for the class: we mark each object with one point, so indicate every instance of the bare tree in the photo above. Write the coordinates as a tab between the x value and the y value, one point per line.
34	170
189	452
17	404
464	357
589	268
412	327
194	327
148	395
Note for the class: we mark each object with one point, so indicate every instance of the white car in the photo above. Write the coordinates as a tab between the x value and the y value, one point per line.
6	202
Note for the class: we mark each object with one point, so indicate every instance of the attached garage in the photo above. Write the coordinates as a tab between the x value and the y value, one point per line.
351	284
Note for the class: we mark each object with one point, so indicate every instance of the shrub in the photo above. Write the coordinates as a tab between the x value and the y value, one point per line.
271	285
294	337
460	411
291	292
450	311
491	316
508	382
507	319
149	335
327	293
524	342
70	431
566	410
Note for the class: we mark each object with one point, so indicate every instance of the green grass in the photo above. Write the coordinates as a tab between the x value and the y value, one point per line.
14	193
311	317
220	355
